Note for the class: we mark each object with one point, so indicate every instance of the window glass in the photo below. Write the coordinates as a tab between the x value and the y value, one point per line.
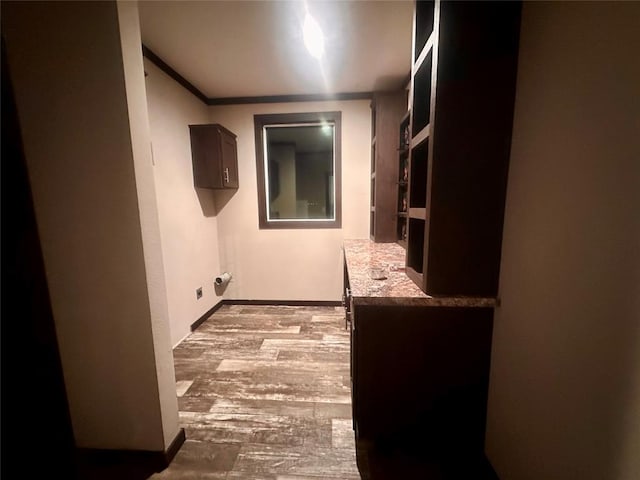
298	165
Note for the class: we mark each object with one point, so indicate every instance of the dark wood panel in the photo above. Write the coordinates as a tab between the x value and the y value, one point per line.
420	381
422	373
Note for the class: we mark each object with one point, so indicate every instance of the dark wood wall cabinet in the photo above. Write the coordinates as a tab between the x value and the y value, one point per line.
214	156
387	108
462	98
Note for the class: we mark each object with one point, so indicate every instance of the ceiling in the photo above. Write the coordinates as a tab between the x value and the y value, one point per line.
255	48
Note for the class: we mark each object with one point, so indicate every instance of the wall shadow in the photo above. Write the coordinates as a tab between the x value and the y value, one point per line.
213	201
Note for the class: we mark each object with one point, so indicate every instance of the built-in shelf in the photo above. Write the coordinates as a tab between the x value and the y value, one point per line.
387	108
423	25
402	179
418	213
423	54
418	175
461	114
420	137
421	102
413	274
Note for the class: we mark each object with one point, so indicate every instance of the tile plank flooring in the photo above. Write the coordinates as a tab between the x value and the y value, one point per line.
264	394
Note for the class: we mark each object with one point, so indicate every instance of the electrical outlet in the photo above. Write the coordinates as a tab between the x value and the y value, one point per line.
199	293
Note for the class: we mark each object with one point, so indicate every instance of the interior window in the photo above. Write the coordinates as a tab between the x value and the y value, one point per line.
298	166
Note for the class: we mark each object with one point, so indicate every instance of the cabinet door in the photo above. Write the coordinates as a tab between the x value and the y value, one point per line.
229	161
420	374
205	150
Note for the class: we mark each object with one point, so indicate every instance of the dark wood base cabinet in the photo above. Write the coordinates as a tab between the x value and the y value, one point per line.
419	386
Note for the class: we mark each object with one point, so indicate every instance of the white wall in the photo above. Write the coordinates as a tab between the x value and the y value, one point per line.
188	223
291	264
564	399
84	162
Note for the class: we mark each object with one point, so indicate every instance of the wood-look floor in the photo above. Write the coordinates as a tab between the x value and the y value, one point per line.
264	394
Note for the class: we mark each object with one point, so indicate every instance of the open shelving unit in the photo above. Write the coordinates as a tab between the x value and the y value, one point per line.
403	181
387	108
462	90
455	143
419	128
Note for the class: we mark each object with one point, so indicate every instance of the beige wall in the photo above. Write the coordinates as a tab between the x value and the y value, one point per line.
564	398
129	26
94	223
291	264
188	223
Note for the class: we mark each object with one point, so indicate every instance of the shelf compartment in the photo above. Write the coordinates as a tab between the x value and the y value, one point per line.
418	176
373	159
372	225
403	200
423	55
416	277
403	171
405	134
401	233
415	244
373	191
421	103
424	15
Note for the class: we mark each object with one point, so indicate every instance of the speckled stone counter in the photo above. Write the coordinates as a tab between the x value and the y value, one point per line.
367	260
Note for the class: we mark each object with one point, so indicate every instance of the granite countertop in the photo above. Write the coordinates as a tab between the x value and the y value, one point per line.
366	260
